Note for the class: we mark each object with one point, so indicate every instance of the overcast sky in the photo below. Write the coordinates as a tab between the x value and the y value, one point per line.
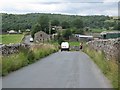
71	7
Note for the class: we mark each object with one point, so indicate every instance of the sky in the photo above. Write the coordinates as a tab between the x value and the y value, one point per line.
69	7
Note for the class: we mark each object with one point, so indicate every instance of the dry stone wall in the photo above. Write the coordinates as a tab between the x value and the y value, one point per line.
12	48
111	47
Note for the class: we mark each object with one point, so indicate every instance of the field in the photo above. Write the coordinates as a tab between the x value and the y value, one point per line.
13	38
74	43
101	30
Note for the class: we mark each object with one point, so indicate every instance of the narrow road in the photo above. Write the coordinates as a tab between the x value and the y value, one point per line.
59	70
27	39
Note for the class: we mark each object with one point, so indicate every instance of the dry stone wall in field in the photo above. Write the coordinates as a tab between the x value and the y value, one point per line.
111	47
12	48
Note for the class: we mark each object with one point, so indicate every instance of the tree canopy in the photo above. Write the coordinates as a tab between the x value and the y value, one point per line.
65	24
67	33
27	21
44	22
55	23
36	28
78	23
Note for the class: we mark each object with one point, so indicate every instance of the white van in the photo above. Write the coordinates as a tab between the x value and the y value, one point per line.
64	46
31	39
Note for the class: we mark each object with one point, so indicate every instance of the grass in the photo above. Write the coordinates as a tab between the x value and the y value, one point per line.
97	30
100	30
42	50
109	68
0	39
11	38
0	65
13	62
25	57
54	42
74	43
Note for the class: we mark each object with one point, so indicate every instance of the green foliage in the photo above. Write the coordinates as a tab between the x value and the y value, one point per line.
65	24
60	38
78	23
35	29
31	57
97	30
73	30
16	22
55	23
74	43
42	25
112	24
77	31
78	26
44	22
67	33
117	26
45	51
13	62
26	21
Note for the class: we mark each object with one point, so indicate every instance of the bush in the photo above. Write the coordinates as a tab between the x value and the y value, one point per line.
67	33
60	40
31	57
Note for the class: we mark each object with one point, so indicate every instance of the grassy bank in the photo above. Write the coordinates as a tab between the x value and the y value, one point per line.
25	57
108	67
11	38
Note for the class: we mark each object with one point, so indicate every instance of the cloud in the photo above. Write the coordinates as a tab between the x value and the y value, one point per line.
110	0
76	7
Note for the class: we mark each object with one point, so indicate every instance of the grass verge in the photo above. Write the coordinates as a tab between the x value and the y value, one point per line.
108	67
25	57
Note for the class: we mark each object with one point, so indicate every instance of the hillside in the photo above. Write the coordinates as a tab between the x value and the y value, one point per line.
26	21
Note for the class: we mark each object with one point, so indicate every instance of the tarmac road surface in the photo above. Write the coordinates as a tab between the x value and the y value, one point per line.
59	70
27	39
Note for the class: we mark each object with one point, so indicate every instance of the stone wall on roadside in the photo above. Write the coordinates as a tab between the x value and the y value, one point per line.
111	47
12	48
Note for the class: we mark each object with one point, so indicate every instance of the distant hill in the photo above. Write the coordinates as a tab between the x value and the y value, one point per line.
26	21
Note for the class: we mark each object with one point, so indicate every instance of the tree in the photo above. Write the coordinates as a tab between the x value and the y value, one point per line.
11	21
44	22
60	38
55	23
117	25
36	28
78	23
65	24
67	33
53	31
79	31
